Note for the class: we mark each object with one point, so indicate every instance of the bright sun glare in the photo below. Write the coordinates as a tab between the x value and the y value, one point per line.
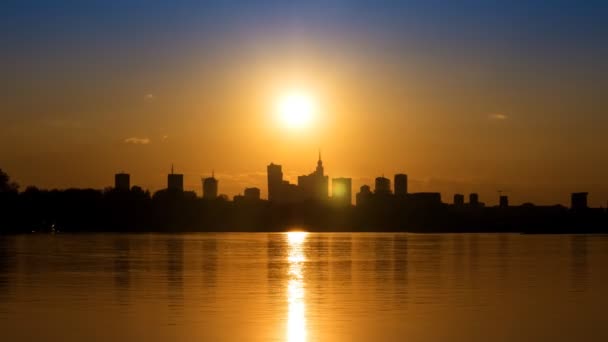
296	110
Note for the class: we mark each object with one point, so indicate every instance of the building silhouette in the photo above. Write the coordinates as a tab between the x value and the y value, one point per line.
474	200
122	181
275	182
341	191
382	186
252	194
315	185
503	201
210	187
175	181
401	184
578	201
459	200
364	196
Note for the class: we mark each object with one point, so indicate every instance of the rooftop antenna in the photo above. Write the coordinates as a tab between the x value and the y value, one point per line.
319	153
171	168
212	173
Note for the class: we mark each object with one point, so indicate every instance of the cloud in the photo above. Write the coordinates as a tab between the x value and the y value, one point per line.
149	97
497	116
137	141
164	138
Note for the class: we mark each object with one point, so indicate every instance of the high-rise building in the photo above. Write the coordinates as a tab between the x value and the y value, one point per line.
400	184
342	191
315	185
252	194
578	200
383	186
458	200
175	182
275	182
122	181
504	201
364	195
474	200
210	187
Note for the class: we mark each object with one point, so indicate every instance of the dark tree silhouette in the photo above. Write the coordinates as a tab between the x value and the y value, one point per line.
5	183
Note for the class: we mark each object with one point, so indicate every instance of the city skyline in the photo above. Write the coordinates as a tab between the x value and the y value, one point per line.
234	185
318	186
464	97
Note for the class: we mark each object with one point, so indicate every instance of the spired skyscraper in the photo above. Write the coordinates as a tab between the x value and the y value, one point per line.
315	185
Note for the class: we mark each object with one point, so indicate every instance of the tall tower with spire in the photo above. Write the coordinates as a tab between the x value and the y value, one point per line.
320	171
315	185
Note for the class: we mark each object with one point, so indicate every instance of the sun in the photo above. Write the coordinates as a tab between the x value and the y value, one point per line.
296	109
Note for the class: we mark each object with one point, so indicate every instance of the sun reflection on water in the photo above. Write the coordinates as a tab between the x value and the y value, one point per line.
296	319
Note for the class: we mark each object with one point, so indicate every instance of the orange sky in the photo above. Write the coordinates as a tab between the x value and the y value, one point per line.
457	115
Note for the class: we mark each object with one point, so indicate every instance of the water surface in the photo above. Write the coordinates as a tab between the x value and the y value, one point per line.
304	287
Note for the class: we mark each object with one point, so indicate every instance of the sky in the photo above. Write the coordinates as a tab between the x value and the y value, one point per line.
463	96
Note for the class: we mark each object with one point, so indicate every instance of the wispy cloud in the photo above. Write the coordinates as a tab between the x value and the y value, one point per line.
497	116
137	141
149	97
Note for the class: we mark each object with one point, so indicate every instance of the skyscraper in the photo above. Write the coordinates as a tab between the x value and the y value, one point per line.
400	184
122	181
315	185
383	186
275	182
474	200
210	187
175	182
342	191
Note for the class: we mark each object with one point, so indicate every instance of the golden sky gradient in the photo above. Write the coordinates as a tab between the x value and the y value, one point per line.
456	114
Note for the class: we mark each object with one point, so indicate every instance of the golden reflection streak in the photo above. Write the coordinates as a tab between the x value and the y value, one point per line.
296	319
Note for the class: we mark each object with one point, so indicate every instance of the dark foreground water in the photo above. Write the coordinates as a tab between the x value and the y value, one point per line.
303	287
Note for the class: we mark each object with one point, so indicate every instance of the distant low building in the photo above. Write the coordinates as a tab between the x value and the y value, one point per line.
122	181
578	200
459	200
252	194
